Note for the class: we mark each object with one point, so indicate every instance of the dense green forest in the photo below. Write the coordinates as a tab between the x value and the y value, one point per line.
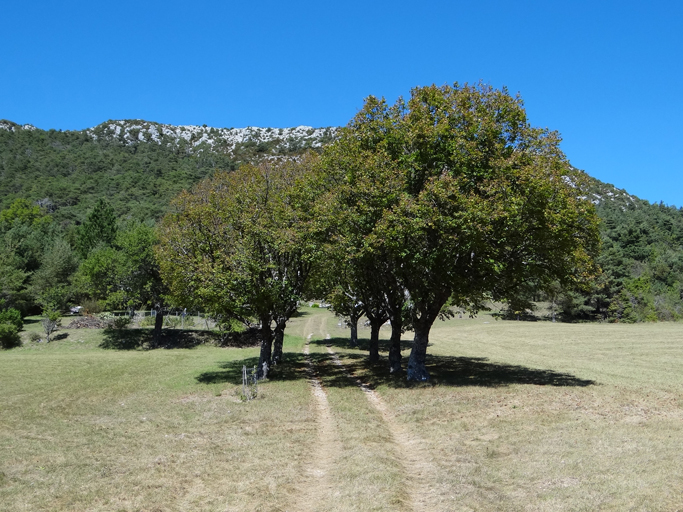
137	166
52	182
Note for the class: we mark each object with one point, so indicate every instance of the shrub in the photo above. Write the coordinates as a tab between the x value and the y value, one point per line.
121	322
92	307
12	316
34	337
9	336
50	323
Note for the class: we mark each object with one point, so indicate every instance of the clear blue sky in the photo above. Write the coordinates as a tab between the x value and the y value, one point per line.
608	75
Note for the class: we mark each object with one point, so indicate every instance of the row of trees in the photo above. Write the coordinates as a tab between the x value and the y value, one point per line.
59	177
448	198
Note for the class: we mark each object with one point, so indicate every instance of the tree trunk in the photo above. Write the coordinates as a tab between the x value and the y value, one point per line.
264	361
158	324
395	347
417	369
374	341
353	322
278	340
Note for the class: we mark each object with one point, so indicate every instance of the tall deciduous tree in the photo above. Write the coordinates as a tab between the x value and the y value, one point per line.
360	189
240	245
480	202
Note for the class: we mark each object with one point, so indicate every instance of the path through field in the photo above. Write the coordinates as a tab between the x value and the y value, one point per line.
417	473
318	488
418	469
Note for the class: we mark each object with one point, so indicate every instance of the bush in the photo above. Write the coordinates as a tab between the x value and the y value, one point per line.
34	337
50	323
9	336
121	322
92	307
12	316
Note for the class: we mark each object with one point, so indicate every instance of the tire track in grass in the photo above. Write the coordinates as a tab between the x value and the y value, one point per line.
420	473
318	488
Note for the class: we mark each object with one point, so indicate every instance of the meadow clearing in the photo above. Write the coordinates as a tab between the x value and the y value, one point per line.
518	416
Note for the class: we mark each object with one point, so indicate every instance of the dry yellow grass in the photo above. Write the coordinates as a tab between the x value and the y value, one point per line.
518	416
88	429
542	416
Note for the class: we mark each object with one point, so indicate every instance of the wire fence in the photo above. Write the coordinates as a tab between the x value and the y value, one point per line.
174	318
249	383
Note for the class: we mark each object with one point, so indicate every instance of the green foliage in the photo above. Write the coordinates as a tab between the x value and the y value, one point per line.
50	285
121	322
50	322
9	336
238	245
172	321
12	316
69	171
641	261
148	321
460	199
22	211
124	275
52	181
99	229
92	307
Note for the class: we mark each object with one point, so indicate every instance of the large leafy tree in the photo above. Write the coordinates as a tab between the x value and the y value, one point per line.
126	274
360	188
240	246
479	202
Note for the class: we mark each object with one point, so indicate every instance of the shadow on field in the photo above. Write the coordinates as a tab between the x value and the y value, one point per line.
444	370
292	368
141	339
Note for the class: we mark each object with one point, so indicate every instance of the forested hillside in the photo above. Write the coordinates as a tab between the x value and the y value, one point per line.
137	167
641	259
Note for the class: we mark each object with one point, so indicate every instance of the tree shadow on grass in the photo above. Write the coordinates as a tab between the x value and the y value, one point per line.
142	339
452	370
444	370
293	367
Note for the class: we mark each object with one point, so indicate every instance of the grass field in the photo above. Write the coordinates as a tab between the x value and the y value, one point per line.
518	416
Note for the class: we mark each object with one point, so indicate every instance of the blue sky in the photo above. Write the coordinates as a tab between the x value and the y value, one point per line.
607	75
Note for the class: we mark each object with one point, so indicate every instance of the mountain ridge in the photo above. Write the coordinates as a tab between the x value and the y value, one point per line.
252	142
133	131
